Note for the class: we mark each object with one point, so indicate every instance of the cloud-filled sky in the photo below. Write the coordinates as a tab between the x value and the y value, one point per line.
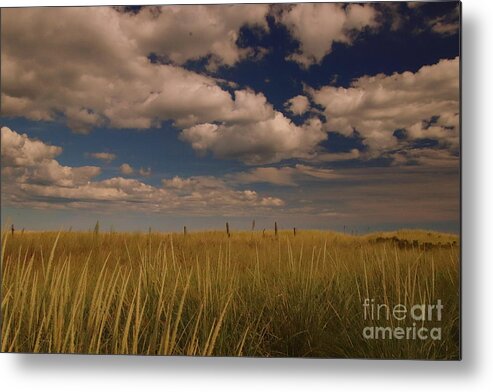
313	115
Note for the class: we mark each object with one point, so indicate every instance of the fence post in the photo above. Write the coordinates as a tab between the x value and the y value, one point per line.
227	229
294	231
184	230
275	228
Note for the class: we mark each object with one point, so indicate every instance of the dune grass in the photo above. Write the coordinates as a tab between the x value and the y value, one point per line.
209	294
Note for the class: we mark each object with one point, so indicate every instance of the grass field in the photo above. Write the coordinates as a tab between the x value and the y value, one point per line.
250	294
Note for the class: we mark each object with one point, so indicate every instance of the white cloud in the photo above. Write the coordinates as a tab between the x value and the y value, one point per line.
103	156
195	183
93	70
267	141
376	106
297	105
182	33
197	190
90	65
18	150
31	161
126	169
31	176
318	26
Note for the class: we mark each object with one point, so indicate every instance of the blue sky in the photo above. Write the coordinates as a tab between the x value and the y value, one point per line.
316	116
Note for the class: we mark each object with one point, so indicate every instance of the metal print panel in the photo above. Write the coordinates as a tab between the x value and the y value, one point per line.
232	180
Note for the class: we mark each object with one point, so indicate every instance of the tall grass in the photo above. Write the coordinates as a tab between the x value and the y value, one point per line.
210	294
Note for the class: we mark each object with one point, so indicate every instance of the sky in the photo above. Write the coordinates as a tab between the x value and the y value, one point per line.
333	116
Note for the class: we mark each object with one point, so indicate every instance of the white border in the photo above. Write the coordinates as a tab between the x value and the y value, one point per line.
120	373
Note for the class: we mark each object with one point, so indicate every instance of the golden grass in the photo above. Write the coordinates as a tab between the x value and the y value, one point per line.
210	294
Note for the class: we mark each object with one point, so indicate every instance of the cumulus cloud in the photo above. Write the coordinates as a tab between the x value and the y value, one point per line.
20	151
103	156
31	176
196	183
297	105
420	105
93	71
90	65
196	189
126	169
31	161
261	142
318	26
182	33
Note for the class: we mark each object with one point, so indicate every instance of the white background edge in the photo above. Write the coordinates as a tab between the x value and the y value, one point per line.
474	372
